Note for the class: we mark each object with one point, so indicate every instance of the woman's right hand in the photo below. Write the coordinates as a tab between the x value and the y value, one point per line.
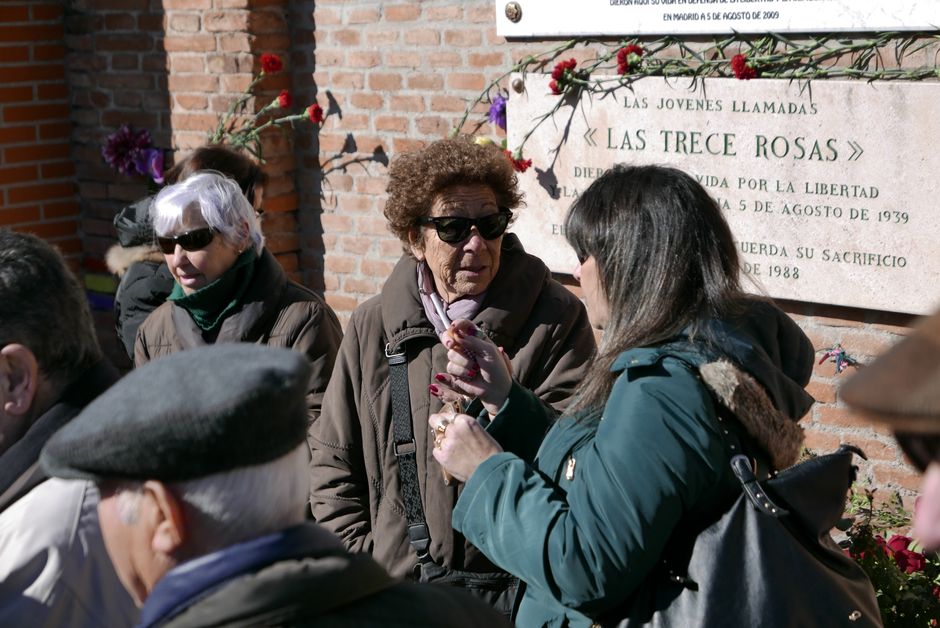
476	367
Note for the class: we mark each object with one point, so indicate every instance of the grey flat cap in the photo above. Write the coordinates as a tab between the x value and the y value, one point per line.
189	415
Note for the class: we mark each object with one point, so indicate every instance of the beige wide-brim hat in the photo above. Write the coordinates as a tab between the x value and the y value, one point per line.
902	390
902	387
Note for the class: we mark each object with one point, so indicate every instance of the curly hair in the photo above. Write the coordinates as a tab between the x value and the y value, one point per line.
416	178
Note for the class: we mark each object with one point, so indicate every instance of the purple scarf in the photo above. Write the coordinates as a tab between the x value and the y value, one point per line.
464	307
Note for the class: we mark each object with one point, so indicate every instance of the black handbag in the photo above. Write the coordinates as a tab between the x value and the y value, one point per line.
769	560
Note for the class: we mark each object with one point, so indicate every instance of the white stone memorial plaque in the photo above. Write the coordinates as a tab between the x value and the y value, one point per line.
562	18
831	189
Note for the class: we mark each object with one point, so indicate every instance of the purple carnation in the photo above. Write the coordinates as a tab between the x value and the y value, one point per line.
122	148
149	162
497	114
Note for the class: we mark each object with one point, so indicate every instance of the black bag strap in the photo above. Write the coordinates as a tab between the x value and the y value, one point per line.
406	452
746	468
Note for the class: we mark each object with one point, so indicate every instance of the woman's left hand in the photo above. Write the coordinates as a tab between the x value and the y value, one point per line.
461	444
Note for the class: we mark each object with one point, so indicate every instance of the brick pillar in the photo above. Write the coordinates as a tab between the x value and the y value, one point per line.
37	189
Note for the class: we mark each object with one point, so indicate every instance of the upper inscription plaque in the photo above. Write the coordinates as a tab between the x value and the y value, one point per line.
831	190
541	18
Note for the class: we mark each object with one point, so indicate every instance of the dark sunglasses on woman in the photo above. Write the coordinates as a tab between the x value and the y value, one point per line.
456	229
190	241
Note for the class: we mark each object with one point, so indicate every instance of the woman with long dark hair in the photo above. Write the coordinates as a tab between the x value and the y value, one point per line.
638	462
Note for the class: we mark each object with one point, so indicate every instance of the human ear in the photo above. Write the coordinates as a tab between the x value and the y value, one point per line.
416	243
169	526
19	378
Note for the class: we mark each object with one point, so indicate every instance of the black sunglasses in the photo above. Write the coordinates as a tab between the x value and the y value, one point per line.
189	241
455	229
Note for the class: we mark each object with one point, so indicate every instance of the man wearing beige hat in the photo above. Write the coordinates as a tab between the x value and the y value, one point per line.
201	461
902	389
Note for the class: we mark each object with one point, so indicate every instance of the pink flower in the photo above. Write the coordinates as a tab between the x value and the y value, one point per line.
742	70
628	58
271	63
315	113
284	99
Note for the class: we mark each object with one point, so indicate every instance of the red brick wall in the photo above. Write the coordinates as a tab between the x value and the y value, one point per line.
402	73
213	48
37	176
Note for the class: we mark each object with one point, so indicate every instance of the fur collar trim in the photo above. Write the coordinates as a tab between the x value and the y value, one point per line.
779	435
119	258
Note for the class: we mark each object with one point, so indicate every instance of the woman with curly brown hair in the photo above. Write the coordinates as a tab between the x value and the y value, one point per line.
374	480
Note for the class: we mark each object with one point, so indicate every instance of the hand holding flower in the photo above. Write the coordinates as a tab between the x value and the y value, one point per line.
476	367
462	444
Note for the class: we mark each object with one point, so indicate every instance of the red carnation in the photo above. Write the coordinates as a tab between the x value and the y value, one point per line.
315	113
741	69
271	63
284	99
520	164
898	543
562	75
628	57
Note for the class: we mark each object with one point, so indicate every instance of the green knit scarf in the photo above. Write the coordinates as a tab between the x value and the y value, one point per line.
209	305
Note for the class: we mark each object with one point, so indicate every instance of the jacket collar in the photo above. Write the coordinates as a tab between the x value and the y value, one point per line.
22	456
252	318
777	433
509	299
186	583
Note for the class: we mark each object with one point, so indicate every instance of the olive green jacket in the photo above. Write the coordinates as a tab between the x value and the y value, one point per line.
274	311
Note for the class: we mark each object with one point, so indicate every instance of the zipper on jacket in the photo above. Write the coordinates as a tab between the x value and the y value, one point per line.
569	468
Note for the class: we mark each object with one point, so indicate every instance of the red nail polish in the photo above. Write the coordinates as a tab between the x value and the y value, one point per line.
439	377
434	389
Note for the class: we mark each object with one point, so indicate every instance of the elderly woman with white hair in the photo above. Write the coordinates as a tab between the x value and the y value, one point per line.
229	288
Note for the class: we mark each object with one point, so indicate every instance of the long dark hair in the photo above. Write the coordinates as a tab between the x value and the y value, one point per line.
665	259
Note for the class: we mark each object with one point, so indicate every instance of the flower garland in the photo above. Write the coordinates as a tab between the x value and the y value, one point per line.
738	56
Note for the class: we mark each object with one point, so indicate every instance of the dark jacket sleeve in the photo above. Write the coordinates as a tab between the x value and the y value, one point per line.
590	542
143	288
563	358
339	495
319	339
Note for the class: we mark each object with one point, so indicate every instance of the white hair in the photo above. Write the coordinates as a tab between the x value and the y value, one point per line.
235	506
220	201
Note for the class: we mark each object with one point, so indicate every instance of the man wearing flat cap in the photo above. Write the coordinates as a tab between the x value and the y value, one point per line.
902	389
201	460
54	570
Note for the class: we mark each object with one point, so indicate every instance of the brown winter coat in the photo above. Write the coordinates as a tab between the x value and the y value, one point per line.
274	311
355	488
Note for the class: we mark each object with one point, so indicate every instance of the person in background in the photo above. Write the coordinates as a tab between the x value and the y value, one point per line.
902	390
205	519
639	457
146	281
450	204
53	567
228	287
